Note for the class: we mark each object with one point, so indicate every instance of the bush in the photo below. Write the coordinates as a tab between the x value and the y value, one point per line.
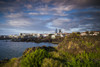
84	60
10	63
52	63
34	59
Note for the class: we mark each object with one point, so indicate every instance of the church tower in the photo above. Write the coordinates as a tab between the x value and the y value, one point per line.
60	31
56	31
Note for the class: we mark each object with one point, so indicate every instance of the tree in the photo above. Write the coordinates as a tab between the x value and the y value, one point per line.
99	34
92	32
34	59
78	33
87	32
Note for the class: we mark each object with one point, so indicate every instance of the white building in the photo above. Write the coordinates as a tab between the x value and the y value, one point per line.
59	34
96	33
83	34
38	35
53	36
62	35
45	35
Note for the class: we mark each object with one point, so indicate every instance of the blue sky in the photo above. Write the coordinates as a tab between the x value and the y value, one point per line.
44	16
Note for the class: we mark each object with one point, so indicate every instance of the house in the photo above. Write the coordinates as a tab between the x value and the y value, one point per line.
96	33
45	35
39	35
53	36
57	35
62	35
34	35
83	34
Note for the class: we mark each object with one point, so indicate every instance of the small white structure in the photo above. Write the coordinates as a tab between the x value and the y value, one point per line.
34	35
45	35
83	34
38	35
96	33
24	34
62	35
53	36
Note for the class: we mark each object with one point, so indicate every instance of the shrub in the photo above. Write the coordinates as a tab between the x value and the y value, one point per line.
34	59
10	63
52	63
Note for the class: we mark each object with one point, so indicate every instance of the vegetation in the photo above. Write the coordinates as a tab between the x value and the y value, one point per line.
92	32
57	40
87	32
34	59
73	51
14	62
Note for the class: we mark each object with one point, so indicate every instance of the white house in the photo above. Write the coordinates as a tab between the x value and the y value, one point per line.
62	35
96	33
53	36
83	34
45	35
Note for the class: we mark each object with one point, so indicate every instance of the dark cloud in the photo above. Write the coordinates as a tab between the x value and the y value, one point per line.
80	3
81	20
19	5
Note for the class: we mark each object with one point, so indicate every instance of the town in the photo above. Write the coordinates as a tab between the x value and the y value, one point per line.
56	37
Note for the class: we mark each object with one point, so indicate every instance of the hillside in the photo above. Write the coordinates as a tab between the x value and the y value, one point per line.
73	51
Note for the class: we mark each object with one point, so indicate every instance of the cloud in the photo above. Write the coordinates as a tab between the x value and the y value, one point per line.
46	15
2	2
29	6
46	1
63	8
60	9
79	21
12	15
19	23
41	13
55	10
60	21
56	3
78	3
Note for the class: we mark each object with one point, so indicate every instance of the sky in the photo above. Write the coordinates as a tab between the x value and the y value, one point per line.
44	16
